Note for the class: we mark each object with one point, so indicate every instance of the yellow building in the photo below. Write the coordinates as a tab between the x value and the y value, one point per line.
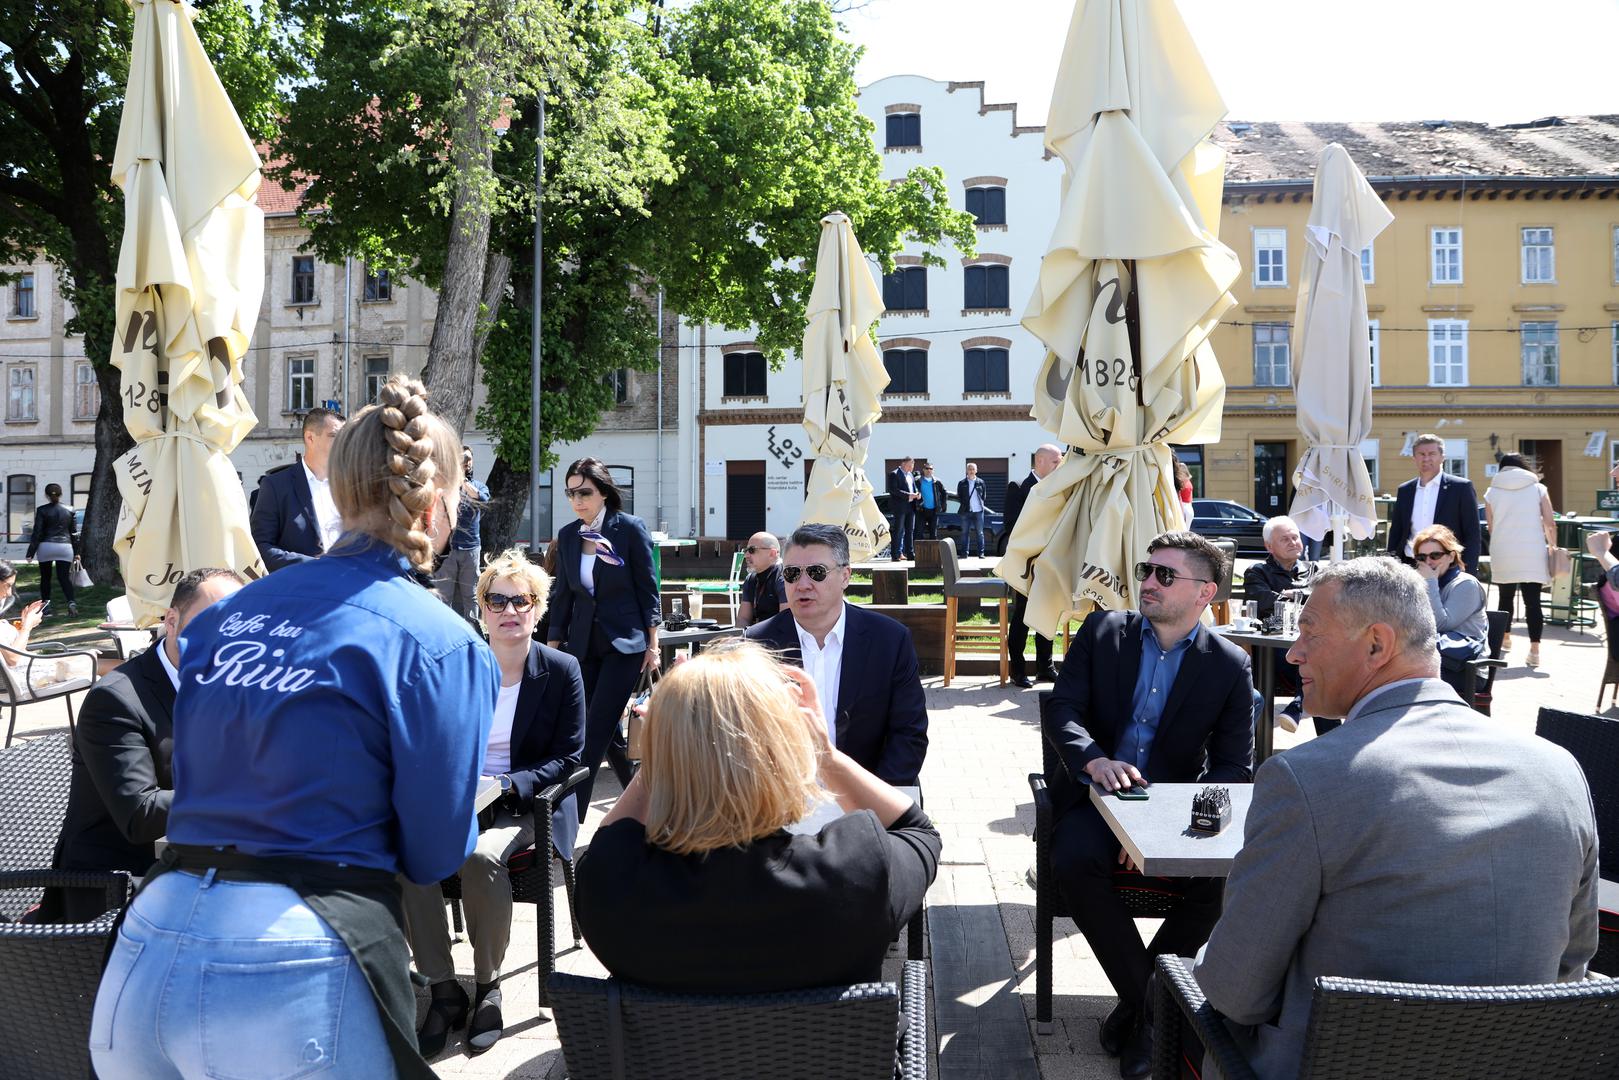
1494	297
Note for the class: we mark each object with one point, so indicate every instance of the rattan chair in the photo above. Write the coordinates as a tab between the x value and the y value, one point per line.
21	669
613	1031
531	878
1145	897
1594	742
34	777
1477	677
48	978
1360	1028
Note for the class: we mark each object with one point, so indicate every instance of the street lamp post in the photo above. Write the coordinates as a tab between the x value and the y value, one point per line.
534	344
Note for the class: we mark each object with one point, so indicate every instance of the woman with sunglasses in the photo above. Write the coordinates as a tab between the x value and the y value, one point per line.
535	741
1457	599
604	610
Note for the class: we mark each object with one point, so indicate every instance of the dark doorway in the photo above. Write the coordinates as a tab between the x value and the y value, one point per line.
1546	457
1270	478
744	499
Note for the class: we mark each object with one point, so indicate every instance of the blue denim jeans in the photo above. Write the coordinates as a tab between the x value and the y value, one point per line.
232	980
972	525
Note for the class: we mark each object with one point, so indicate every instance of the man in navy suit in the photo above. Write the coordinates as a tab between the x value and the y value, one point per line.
903	499
1434	497
294	518
863	664
1144	696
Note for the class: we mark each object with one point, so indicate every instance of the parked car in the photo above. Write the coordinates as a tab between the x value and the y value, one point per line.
1220	519
950	523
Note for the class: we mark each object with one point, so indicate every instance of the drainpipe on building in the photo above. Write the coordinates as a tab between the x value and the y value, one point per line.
658	440
348	311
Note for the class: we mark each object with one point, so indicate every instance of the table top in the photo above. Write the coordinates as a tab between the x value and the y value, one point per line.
672	542
686	637
1254	637
488	792
1608	895
1157	833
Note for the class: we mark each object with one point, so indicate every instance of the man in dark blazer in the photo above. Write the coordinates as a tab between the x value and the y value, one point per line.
1046	459
874	703
973	496
121	783
1434	497
903	499
1144	696
291	521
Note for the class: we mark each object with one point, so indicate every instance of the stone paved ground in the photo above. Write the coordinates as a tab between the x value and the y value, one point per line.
984	743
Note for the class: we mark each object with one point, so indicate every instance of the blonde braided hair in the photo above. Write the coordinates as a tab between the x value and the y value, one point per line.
390	464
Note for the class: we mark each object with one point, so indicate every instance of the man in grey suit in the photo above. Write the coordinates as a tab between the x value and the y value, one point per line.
1419	842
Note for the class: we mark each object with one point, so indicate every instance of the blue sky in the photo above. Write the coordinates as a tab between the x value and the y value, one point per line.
1490	60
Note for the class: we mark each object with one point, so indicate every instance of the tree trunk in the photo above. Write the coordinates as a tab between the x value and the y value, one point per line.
101	515
508	495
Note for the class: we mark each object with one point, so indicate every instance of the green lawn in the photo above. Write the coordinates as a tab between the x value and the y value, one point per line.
58	623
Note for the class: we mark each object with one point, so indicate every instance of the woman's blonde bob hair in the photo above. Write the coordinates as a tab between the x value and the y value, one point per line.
388	465
1441	535
513	563
728	758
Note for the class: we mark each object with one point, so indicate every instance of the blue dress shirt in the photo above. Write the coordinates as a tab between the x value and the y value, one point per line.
334	711
1159	666
927	494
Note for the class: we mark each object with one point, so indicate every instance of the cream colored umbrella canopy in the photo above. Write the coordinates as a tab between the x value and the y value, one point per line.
190	276
1133	281
1332	377
843	378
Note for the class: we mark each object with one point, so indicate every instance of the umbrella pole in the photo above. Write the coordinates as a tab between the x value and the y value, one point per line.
1340	522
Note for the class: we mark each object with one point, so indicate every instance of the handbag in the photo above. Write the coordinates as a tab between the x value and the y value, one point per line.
635	711
1559	562
80	576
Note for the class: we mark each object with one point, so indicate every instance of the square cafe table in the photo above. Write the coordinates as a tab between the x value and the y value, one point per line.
1265	648
1157	831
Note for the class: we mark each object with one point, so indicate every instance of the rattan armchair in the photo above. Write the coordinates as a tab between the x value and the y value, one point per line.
530	875
48	978
613	1031
1594	742
1359	1028
34	777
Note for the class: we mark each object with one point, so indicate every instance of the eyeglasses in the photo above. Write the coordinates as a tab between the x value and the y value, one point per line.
579	492
1433	556
751	549
1167	575
500	602
817	572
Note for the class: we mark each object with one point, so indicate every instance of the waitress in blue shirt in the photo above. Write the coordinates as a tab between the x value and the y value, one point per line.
604	610
328	736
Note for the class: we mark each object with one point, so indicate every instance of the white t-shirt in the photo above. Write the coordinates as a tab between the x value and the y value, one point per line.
1424	501
498	758
326	515
825	667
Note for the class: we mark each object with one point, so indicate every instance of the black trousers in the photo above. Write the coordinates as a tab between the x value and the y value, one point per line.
1017	638
610	678
64	577
927	523
904	532
1532	613
1084	859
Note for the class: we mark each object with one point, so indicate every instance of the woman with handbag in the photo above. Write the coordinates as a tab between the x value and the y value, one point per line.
1523	533
535	741
604	610
55	542
328	739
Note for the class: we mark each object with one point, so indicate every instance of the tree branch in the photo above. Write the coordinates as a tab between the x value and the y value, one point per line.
35	194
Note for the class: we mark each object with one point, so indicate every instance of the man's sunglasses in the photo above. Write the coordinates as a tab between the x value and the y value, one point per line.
500	602
751	549
579	492
817	572
1167	575
1433	556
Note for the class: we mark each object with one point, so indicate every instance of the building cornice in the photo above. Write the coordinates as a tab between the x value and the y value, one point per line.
892	414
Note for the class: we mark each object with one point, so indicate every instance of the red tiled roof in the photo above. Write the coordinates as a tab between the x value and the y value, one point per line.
274	198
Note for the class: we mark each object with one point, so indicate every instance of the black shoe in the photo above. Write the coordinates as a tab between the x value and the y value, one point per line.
1116	1028
447	1013
1135	1060
1021	680
1046	674
487	1024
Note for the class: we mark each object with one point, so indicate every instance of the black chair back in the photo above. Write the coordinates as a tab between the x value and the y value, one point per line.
1223	592
49	976
1360	1029
612	1031
1594	742
34	776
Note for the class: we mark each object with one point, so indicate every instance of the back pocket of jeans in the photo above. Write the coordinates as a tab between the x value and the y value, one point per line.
120	965
272	1021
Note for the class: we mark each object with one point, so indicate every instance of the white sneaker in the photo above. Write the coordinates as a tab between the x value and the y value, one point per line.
1288	718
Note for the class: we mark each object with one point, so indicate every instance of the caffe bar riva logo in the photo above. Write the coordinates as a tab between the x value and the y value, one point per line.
242	662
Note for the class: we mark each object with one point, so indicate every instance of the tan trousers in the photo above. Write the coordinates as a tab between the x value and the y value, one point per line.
486	898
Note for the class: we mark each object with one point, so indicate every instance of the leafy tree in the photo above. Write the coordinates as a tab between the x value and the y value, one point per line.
63	68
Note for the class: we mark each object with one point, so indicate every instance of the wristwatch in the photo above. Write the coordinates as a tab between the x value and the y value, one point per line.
506	785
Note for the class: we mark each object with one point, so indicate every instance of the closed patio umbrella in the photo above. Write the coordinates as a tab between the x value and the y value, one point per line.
1332	377
843	378
190	276
1133	281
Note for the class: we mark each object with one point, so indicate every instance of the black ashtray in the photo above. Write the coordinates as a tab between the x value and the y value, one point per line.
1271	624
1211	809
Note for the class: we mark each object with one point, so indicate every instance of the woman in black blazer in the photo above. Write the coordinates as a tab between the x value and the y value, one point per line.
604	610
696	880
535	741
